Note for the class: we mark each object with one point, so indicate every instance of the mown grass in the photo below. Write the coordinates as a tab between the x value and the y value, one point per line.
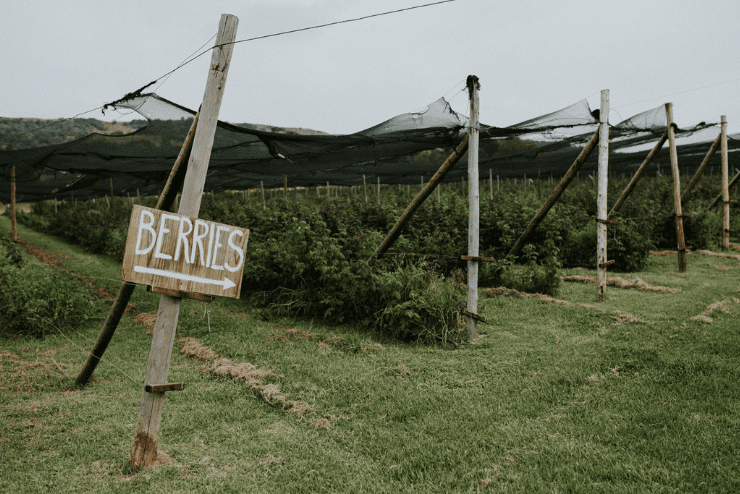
552	398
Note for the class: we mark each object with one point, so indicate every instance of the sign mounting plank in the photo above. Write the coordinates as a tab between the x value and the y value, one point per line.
177	252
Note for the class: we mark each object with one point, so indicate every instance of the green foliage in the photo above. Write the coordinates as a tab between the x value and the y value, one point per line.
34	300
9	254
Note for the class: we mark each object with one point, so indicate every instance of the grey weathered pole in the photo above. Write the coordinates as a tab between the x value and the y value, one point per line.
473	206
601	196
550	202
676	189
150	412
630	187
725	187
166	200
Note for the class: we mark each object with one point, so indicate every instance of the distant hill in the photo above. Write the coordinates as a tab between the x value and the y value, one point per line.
23	133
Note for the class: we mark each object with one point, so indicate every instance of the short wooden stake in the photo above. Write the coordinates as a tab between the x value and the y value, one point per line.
490	182
725	187
150	412
601	196
364	186
285	187
378	190
262	189
676	188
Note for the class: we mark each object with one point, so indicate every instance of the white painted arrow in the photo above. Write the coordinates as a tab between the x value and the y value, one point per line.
226	283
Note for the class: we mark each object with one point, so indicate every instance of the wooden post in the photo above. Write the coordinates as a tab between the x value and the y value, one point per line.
378	189
262	189
601	197
285	187
364	186
539	190
439	195
676	189
550	202
150	412
703	165
111	187
725	187
473	207
490	182
414	205
631	186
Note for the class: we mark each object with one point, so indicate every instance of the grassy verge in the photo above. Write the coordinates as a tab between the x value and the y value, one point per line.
551	398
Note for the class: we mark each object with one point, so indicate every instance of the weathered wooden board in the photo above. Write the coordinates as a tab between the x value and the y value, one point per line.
183	254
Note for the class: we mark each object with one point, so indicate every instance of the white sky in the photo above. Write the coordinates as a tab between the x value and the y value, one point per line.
532	57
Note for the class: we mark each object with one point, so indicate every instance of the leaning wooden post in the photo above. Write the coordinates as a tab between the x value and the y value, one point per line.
567	179
732	183
676	188
166	199
419	199
473	208
601	216
700	170
150	411
14	232
725	187
633	183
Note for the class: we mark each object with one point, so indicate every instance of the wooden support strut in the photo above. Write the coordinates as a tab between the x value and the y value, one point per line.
633	183
419	199
144	452
718	199
567	179
477	258
704	163
165	202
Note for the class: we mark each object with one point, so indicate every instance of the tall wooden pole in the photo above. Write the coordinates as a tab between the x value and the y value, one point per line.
150	411
550	202
473	206
725	187
13	230
601	196
676	189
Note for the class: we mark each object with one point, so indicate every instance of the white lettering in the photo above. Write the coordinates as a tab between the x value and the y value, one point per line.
209	257
162	231
198	240
238	251
182	239
145	226
216	244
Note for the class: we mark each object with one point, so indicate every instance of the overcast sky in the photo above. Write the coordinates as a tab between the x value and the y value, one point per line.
532	57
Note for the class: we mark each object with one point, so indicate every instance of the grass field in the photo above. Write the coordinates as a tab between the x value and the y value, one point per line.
634	394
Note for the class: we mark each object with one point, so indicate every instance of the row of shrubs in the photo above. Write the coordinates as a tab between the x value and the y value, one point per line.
307	255
35	300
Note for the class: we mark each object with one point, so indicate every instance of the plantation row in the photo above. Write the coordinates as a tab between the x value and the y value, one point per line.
307	254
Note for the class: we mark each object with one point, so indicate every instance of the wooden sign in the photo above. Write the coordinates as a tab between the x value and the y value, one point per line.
179	253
